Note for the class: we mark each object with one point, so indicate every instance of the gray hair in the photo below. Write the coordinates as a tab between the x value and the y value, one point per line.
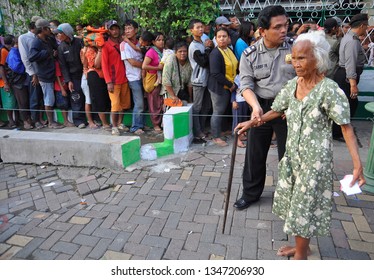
321	48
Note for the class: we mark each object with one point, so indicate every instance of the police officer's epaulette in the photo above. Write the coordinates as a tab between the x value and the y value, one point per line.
249	50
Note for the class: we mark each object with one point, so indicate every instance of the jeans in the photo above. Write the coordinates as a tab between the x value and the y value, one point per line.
201	105
36	100
138	98
220	103
77	105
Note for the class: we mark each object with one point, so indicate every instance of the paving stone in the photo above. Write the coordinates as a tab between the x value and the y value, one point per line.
188	255
8	255
155	253
351	230
209	233
368	237
96	214
65	247
19	240
83	189
109	220
29	226
22	206
346	254
249	248
112	255
190	226
105	233
139	233
268	255
156	241
339	237
100	249
85	179
192	242
69	236
119	241
265	239
3	194
50	241
175	188
4	247
349	210
40	232
258	224
80	220
60	226
361	223
361	246
62	257
141	220
86	240
91	226
326	247
39	254
82	253
26	251
136	249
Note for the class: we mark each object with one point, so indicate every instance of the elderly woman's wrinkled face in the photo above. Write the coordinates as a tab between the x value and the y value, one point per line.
181	53
303	59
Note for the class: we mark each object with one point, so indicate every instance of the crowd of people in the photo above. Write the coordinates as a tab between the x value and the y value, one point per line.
239	72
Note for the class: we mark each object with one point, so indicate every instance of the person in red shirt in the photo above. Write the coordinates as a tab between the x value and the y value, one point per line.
115	77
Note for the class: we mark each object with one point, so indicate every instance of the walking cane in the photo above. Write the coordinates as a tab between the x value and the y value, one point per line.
233	155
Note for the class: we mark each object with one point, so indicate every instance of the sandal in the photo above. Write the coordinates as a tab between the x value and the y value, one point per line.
27	126
55	125
123	127
240	144
139	131
219	142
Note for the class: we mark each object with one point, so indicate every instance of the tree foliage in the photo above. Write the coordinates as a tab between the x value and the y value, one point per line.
171	17
88	12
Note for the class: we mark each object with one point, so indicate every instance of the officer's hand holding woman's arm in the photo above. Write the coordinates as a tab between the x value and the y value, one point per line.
252	101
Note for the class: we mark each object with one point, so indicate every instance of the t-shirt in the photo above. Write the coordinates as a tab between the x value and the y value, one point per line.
3	55
59	74
155	60
127	52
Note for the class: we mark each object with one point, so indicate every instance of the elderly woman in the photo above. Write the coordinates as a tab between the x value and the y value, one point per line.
311	102
223	66
177	74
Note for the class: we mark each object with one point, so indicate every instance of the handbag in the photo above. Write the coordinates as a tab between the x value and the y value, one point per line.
183	92
149	82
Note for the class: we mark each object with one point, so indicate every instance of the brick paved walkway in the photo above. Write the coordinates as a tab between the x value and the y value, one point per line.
169	209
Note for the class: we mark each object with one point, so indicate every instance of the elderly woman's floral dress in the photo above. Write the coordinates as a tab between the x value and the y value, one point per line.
303	196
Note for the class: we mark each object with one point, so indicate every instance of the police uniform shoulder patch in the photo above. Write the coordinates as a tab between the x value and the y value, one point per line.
249	50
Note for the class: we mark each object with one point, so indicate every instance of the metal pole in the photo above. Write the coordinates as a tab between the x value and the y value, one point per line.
233	155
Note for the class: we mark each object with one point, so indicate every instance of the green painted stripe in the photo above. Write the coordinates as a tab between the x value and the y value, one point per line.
165	148
131	152
181	123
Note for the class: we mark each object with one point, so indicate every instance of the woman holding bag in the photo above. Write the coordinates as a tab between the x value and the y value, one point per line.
223	67
152	64
176	76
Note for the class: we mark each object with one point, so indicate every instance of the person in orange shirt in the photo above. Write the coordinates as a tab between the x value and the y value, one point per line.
115	77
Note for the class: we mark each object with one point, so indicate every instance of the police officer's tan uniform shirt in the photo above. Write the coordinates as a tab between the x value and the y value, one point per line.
351	55
264	73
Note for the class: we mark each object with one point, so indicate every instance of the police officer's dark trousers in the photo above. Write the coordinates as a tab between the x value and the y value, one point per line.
259	141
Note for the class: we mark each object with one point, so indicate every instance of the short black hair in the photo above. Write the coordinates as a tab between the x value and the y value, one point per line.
9	40
147	36
131	22
222	29
180	44
193	22
55	22
269	12
31	25
169	43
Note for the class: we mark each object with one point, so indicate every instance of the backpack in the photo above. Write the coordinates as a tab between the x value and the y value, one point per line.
94	37
15	72
14	61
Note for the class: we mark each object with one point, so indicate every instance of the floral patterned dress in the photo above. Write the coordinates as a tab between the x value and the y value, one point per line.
303	197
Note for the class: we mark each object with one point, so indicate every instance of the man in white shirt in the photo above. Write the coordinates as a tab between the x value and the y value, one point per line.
133	58
35	91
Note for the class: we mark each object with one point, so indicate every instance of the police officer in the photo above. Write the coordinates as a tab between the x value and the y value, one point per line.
351	65
264	69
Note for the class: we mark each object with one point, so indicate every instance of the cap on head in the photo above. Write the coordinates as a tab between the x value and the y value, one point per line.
35	18
222	21
338	20
358	19
41	23
66	29
330	23
111	23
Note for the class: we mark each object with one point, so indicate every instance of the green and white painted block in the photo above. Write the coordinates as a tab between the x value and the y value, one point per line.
177	122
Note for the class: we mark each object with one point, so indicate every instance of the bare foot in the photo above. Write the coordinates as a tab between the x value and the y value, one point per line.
289	251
